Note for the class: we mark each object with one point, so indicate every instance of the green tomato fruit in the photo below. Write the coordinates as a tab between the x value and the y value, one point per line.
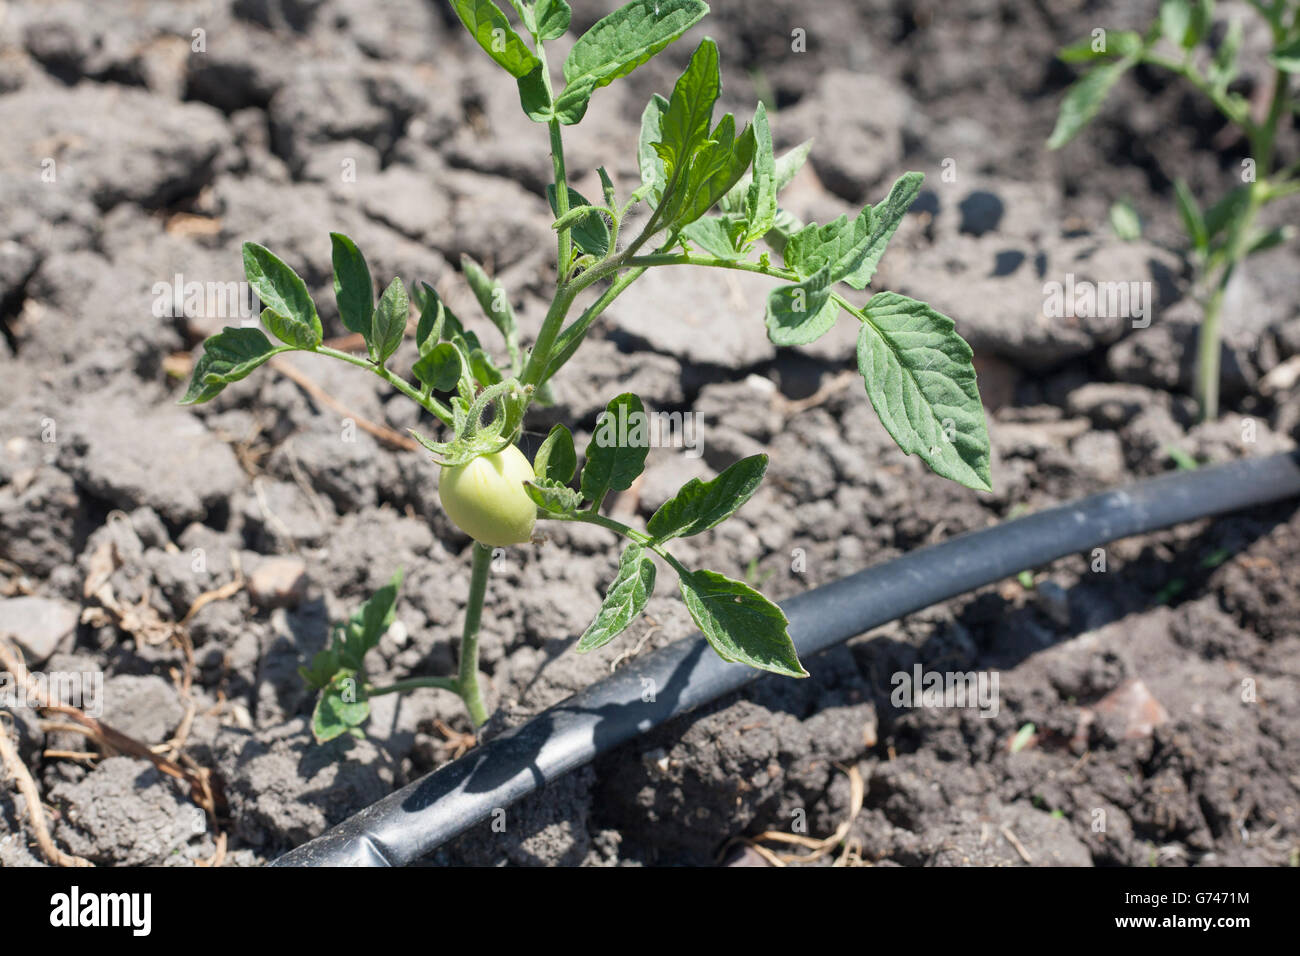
486	498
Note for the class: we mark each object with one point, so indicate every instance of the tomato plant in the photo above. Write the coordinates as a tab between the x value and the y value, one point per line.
1225	233
711	190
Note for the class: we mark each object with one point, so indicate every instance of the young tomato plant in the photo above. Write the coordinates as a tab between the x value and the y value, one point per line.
1225	233
711	192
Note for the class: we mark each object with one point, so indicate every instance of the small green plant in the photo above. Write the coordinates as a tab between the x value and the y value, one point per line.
711	190
1226	233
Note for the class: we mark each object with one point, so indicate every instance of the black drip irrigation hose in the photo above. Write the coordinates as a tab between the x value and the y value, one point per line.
409	823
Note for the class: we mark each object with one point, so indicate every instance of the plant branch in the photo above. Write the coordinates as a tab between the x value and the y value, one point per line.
1232	111
686	259
627	531
412	683
428	403
467	682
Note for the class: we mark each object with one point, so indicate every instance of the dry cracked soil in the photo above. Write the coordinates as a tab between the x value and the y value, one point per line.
1163	691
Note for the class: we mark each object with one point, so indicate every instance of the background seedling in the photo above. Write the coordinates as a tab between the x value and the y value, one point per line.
1225	233
711	189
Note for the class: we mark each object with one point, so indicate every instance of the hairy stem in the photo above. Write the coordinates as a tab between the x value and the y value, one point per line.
686	259
427	402
627	531
467	681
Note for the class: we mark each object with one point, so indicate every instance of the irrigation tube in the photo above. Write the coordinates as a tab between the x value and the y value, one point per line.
412	821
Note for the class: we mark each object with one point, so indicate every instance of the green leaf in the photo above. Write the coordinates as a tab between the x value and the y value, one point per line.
653	179
296	334
1176	21
617	450
619	43
714	168
553	18
701	505
852	251
388	324
1287	56
802	313
341	708
552	496
1223	67
556	458
1084	99
440	368
624	601
437	322
684	125
534	97
1202	18
590	233
740	624
367	625
1268	239
1124	220
354	290
489	26
324	665
494	301
760	196
1226	211
1114	43
227	357
284	293
1193	220
713	234
920	380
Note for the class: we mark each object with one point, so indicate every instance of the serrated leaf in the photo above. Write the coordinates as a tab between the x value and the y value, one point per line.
341	708
852	250
552	496
284	293
590	232
440	368
1193	220
619	43
388	324
713	235
489	26
701	505
556	459
802	313
553	17
740	624
624	601
617	450
760	195
227	357
354	290
1083	99
713	169
920	380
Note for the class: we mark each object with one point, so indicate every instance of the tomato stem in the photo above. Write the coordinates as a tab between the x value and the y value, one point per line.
467	682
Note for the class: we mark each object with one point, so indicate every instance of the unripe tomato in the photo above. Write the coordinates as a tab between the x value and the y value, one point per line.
486	498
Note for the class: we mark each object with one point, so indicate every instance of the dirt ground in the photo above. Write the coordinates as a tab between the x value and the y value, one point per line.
1163	691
